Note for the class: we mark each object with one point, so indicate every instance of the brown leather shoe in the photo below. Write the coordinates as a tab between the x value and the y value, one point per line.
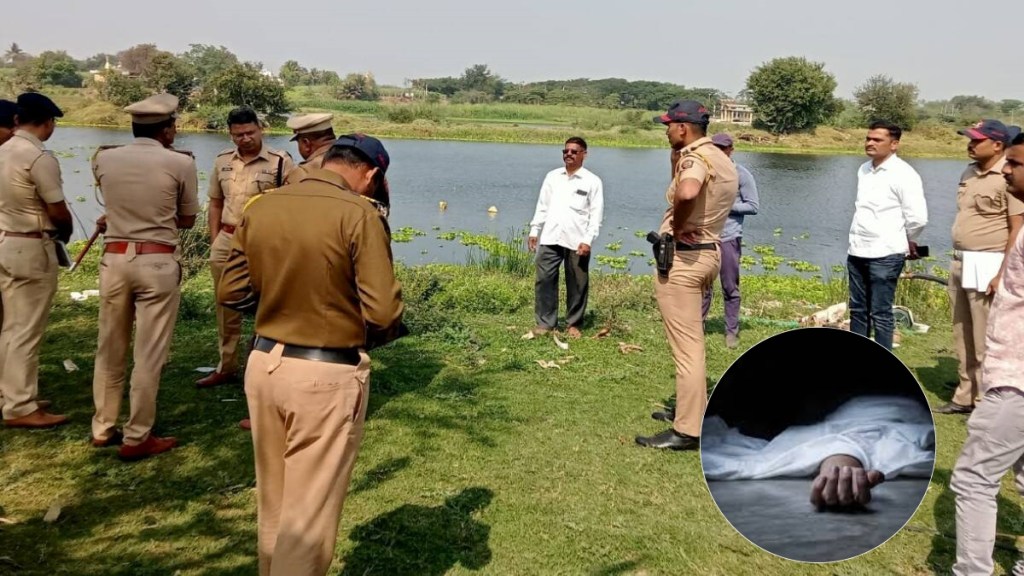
43	404
216	379
38	419
115	440
150	447
245	424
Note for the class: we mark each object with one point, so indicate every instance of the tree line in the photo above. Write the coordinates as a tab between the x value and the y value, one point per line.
787	95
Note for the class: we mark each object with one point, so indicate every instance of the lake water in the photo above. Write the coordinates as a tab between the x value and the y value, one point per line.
806	200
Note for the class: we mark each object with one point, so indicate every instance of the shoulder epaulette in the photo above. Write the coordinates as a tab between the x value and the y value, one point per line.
280	153
226	151
92	161
185	152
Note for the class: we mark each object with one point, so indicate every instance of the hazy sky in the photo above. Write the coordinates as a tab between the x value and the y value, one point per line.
943	46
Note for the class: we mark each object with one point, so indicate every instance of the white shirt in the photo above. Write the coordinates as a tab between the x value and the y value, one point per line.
891	434
569	210
890	209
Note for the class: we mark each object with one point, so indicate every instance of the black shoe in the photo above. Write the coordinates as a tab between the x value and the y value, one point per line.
669	439
666	415
954	408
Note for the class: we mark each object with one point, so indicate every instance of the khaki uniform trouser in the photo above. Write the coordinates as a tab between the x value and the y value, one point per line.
229	322
142	290
679	298
28	282
307	425
970	321
994	446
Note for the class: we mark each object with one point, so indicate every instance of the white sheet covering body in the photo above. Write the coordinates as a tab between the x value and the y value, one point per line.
891	434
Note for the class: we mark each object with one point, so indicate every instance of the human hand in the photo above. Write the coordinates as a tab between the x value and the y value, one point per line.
583	250
686	237
913	251
531	243
842	482
993	286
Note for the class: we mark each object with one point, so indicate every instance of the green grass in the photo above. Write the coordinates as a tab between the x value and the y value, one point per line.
475	458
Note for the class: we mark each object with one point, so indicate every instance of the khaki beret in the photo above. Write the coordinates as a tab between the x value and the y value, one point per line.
153	109
308	123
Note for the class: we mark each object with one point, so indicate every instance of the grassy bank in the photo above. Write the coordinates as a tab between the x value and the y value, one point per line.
475	458
523	123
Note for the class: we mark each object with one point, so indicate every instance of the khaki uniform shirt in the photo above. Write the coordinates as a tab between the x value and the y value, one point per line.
315	161
331	284
236	181
703	161
983	205
29	180
145	188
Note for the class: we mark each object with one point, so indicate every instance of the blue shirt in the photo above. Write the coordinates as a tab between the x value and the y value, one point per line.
746	203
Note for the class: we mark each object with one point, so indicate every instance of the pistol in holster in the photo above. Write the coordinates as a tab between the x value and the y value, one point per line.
664	246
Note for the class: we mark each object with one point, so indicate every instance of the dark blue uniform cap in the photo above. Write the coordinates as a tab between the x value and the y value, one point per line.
38	105
368	145
7	111
685	111
987	129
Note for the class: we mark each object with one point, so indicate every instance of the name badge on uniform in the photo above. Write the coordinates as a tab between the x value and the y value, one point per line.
226	168
581	192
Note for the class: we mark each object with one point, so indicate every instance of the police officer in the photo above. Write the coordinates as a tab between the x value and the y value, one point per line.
700	196
988	219
33	213
307	379
150	191
314	135
239	173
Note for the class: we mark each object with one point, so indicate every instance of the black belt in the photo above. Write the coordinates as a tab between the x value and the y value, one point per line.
685	247
348	356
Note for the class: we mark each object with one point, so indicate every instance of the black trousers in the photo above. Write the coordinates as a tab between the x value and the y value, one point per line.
577	284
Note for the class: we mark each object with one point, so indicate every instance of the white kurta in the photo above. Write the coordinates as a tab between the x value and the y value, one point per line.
891	434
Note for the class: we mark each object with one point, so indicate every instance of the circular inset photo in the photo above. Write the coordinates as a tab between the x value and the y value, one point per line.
818	445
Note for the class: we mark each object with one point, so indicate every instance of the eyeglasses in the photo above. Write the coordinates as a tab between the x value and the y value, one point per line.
572	152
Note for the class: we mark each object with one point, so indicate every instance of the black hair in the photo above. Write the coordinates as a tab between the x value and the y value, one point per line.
355	158
151	130
1017	140
577	140
894	131
7	121
243	115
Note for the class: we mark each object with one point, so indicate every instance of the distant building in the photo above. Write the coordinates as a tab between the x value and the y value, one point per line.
101	75
733	112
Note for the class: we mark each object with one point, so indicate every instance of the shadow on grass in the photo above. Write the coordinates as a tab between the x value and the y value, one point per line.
943	552
424	540
935	378
193	510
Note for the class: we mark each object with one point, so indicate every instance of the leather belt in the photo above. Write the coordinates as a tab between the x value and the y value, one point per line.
685	247
348	356
140	248
229	228
22	234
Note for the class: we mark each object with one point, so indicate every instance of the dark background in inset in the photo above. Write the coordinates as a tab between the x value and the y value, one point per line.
797	377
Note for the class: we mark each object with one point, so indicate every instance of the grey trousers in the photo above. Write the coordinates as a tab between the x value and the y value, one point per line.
577	285
995	444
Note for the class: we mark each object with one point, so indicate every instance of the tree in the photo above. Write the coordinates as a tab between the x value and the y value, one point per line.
357	87
49	68
245	84
791	94
292	74
166	72
121	90
479	78
1010	106
135	59
882	98
208	60
15	55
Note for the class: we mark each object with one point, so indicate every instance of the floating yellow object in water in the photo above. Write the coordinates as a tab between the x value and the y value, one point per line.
492	210
442	205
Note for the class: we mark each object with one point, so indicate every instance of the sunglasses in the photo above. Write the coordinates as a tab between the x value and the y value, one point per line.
573	152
